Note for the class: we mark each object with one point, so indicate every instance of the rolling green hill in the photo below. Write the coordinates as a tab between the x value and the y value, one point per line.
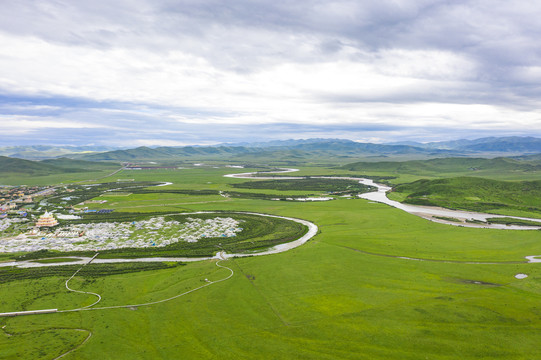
20	166
10	165
82	165
445	166
476	194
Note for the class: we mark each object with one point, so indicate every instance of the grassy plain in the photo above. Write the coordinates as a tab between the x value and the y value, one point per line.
350	293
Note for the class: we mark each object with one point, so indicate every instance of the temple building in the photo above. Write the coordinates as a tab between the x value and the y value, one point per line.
46	220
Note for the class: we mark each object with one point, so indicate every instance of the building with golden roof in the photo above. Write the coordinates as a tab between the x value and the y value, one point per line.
46	220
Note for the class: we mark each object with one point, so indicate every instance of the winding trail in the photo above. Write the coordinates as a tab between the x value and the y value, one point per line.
90	307
158	301
220	256
377	196
78	346
84	292
91	180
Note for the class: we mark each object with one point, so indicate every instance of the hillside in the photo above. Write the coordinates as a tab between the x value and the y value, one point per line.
476	194
10	165
444	166
20	166
66	163
39	152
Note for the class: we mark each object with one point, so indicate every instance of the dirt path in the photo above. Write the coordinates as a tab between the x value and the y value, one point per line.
78	346
84	292
208	283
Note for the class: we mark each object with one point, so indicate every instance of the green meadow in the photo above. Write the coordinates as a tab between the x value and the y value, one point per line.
407	171
519	198
374	283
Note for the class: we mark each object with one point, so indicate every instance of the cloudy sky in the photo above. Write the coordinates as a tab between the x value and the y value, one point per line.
164	72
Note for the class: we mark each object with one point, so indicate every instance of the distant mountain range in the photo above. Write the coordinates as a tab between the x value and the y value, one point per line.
9	165
512	144
289	150
434	161
39	152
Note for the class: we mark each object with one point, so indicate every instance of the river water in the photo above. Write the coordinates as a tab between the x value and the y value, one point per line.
380	196
427	212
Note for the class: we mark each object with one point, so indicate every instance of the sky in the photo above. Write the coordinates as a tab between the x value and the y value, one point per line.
172	73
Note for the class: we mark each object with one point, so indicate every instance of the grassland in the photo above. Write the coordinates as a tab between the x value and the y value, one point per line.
519	198
53	260
350	293
512	221
311	184
408	171
15	171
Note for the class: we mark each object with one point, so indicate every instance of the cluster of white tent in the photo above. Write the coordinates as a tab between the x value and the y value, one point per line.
155	231
4	224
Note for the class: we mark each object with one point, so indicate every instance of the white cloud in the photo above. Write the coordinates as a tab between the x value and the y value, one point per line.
418	64
18	124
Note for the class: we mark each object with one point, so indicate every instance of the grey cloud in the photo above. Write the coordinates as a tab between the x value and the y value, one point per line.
495	33
499	37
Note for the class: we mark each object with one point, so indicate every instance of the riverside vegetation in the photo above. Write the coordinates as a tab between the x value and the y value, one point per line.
352	292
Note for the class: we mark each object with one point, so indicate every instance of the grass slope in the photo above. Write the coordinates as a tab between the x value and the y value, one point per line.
477	194
19	166
443	165
407	171
13	166
66	163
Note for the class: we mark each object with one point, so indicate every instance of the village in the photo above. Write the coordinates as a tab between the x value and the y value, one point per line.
27	224
155	231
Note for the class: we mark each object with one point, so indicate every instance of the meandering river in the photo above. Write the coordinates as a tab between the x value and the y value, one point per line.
380	196
427	212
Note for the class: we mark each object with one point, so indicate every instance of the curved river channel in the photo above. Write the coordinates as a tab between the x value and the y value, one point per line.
222	255
380	196
427	212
